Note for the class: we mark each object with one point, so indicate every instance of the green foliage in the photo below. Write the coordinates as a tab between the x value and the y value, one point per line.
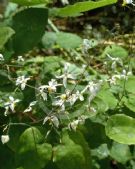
74	152
65	101
5	35
120	152
115	51
33	153
30	2
121	129
78	8
29	28
63	39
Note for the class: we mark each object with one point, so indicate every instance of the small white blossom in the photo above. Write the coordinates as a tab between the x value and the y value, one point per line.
63	98
115	61
42	92
51	87
53	120
112	80
66	75
21	81
1	57
65	2
93	109
10	104
126	2
86	45
73	125
5	139
61	102
124	75
20	59
74	97
92	87
30	106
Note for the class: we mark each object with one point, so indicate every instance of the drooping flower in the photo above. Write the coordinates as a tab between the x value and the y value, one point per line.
65	2
50	88
74	124
86	46
66	75
74	97
10	104
20	59
53	120
42	92
5	139
127	2
1	57
30	106
22	81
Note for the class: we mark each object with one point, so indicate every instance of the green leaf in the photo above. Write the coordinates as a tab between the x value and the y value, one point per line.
70	154
5	35
94	140
115	51
120	152
68	40
121	128
63	39
108	97
77	8
130	102
33	153
130	84
49	39
30	2
101	152
100	105
29	26
6	153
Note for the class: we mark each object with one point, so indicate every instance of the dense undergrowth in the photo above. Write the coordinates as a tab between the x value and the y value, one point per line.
67	84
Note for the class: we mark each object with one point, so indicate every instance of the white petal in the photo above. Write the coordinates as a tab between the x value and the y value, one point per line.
4	139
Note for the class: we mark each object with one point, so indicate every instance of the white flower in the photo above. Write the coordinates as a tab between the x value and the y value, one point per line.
124	75
86	45
20	59
63	98
30	106
1	57
5	139
51	87
42	92
73	125
53	120
115	61
10	104
74	97
66	75
65	2
125	2
113	80
92	87
21	81
60	102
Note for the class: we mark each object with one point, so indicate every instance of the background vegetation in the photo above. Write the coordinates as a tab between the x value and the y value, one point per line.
67	84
